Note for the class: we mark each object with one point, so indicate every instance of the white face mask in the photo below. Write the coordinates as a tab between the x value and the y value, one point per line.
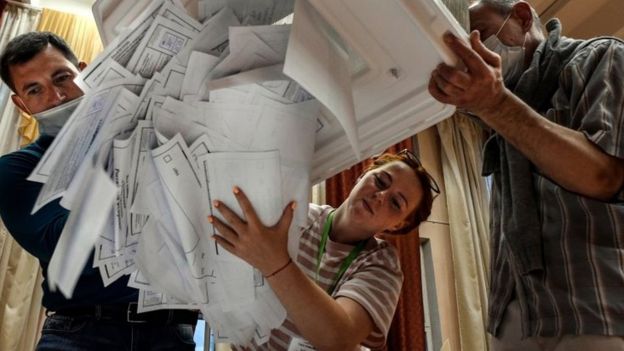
512	57
51	121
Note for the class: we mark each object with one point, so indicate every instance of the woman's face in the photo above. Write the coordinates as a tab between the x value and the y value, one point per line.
384	197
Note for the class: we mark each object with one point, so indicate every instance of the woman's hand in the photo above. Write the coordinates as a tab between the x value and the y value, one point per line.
327	323
264	247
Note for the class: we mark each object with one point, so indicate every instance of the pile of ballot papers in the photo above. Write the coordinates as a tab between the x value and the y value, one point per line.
177	112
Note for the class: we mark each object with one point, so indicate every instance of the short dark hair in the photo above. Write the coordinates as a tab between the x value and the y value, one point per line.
23	48
423	210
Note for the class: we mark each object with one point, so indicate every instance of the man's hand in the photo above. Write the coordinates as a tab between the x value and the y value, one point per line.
479	88
264	247
564	155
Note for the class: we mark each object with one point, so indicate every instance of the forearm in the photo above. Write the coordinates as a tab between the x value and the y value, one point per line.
327	323
562	154
319	318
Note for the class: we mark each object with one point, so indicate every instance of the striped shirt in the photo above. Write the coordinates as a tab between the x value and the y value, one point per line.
373	279
581	288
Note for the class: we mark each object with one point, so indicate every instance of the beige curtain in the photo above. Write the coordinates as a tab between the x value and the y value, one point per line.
82	36
79	32
467	201
20	278
20	282
16	19
468	212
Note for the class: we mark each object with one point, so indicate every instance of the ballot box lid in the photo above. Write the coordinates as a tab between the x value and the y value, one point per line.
395	45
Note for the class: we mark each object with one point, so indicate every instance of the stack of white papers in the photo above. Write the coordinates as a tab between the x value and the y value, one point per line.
176	113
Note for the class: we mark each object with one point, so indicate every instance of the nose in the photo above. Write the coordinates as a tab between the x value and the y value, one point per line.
56	96
381	196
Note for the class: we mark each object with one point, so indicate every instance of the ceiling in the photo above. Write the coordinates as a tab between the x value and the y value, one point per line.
580	18
77	7
584	18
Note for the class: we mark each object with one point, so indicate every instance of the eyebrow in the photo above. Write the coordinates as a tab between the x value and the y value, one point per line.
62	70
56	73
400	193
29	85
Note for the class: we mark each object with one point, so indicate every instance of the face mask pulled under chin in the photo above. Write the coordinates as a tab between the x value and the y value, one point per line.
51	121
512	59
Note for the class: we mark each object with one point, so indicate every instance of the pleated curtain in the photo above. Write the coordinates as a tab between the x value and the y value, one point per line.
20	276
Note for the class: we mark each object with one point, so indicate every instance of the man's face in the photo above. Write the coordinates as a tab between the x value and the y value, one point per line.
45	81
488	22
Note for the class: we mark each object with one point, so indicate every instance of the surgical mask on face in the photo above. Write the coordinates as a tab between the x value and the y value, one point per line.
51	121
512	57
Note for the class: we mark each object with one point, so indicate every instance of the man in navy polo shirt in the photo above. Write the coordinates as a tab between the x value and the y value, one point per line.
40	68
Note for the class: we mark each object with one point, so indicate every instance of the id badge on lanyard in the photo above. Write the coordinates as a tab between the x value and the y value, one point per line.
321	251
299	344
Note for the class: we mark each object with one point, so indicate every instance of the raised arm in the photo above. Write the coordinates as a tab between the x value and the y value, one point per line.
328	324
562	154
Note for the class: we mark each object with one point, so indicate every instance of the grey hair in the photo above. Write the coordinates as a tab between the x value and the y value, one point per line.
503	7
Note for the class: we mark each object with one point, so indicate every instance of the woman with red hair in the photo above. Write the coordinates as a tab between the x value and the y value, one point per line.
343	291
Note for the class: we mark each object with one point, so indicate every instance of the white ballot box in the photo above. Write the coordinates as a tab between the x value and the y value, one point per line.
392	47
367	61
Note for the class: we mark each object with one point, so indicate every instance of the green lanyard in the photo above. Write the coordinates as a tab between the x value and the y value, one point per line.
347	261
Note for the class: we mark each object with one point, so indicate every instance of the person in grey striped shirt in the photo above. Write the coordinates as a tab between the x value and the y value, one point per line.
555	106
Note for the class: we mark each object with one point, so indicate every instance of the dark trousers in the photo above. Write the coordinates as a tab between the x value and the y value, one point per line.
78	333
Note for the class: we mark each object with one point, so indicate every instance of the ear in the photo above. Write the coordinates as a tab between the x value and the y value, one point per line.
524	13
81	65
20	103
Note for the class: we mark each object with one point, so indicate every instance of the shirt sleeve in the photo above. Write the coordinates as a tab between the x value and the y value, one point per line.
591	96
376	286
37	233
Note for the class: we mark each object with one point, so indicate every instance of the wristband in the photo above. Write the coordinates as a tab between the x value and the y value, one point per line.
280	269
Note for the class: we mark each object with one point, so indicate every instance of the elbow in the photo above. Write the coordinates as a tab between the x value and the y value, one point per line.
607	182
340	345
338	341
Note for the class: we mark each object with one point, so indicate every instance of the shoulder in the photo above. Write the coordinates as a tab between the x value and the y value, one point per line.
375	272
315	210
380	254
603	43
316	213
593	51
18	164
29	153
